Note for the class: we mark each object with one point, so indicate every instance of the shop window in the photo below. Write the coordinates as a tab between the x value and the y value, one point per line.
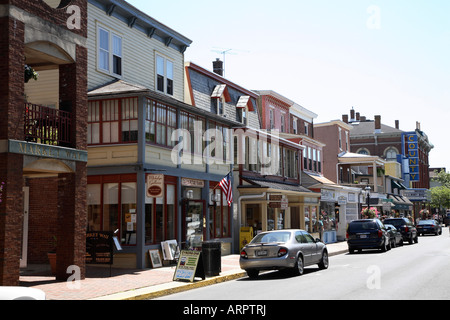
94	207
219	215
160	216
112	206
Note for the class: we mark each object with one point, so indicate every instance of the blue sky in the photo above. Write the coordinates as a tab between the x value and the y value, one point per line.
386	57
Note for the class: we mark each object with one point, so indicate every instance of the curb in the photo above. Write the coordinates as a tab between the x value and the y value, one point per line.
157	291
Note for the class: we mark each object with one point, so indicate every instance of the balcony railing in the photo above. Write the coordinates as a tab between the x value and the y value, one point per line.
46	125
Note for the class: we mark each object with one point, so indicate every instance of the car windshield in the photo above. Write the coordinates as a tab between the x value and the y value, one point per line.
426	222
272	237
395	222
362	225
390	226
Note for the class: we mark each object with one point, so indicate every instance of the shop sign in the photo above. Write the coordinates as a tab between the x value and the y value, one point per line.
99	247
413	157
278	201
342	200
190	265
46	151
195	183
155	185
327	195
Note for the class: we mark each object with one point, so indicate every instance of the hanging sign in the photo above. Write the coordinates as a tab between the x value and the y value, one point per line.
190	265
155	186
412	141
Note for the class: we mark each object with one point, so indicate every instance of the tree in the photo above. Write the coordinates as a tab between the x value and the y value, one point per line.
440	196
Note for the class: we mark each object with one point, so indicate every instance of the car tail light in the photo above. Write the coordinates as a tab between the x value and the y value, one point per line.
406	229
244	254
380	234
282	252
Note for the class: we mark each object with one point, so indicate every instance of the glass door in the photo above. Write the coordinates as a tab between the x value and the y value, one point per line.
194	213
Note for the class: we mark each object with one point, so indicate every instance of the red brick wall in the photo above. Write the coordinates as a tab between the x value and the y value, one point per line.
43	213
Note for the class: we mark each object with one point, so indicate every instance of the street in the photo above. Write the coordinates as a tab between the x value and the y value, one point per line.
418	271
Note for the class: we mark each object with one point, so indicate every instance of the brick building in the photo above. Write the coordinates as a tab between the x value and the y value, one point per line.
42	135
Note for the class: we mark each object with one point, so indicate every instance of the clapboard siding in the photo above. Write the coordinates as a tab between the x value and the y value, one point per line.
138	61
45	90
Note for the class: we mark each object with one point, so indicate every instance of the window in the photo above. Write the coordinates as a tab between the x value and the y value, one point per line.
219	215
160	215
161	122
282	123
193	124
271	120
391	154
294	126
243	112
113	121
112	206
164	75
109	52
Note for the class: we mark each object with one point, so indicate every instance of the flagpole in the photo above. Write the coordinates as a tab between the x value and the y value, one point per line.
221	180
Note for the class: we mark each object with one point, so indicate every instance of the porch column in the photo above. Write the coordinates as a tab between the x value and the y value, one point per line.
11	218
72	219
12	61
375	182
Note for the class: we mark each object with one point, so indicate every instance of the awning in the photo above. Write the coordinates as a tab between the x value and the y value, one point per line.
400	203
278	187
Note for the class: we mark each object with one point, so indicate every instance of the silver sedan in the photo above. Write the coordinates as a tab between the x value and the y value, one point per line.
283	249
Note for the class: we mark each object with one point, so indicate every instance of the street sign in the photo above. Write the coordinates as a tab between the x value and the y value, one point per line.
190	265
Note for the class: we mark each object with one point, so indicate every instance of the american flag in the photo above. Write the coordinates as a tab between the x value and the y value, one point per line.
225	185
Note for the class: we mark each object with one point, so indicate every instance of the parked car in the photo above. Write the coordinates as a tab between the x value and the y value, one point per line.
21	293
447	219
429	226
283	249
367	234
394	235
406	227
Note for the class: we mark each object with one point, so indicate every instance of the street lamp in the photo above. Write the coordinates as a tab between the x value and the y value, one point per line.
368	189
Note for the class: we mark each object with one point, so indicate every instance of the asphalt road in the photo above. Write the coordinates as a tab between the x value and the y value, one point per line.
417	271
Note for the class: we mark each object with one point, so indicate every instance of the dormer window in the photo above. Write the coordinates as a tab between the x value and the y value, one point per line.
220	96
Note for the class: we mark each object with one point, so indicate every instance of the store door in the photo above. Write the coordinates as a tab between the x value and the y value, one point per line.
26	205
194	217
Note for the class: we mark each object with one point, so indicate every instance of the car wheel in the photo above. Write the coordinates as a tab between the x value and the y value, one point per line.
299	267
410	240
324	262
252	274
416	239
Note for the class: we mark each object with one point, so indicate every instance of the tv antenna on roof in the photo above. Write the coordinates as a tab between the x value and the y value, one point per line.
224	52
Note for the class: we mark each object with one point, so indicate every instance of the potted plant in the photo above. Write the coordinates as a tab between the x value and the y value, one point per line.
30	73
52	255
370	213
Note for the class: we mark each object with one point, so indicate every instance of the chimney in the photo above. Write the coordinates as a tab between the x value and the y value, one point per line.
377	124
363	119
218	67
417	125
358	116
352	115
345	118
397	124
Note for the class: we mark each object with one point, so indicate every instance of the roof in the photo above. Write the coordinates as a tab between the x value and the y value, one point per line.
368	128
139	20
117	87
350	157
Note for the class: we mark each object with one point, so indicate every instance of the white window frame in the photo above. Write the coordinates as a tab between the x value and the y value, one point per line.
168	74
109	51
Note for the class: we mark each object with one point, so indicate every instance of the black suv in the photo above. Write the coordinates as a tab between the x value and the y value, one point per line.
406	227
367	234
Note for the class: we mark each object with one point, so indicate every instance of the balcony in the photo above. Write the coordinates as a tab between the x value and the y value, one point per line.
47	126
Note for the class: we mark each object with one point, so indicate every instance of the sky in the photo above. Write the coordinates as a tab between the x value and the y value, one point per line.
380	57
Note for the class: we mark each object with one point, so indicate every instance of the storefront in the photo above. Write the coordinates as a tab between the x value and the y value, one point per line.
267	206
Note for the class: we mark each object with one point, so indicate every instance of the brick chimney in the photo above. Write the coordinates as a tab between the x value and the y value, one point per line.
377	124
218	67
397	124
345	118
352	115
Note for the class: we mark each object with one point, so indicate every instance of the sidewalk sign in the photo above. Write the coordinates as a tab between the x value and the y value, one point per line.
190	265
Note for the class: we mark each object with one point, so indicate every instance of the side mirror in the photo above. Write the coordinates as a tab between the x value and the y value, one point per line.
318	240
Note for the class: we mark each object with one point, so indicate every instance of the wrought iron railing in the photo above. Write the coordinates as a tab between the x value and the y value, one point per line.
46	125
